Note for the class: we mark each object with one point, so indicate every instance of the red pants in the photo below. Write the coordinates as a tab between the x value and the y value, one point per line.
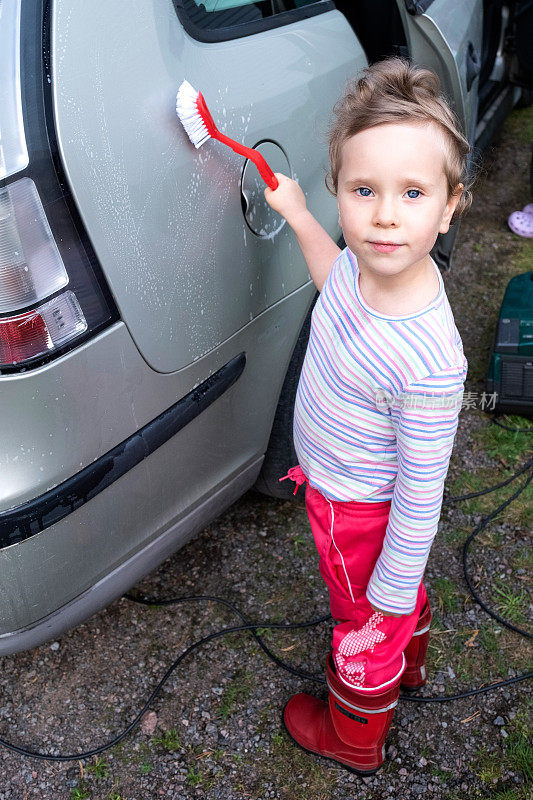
349	538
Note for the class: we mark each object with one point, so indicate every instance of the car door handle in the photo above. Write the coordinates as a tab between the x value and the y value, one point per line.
473	65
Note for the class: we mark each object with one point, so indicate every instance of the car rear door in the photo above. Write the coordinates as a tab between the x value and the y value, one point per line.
191	251
447	37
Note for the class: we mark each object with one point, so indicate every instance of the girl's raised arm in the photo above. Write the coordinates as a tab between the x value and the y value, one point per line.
317	246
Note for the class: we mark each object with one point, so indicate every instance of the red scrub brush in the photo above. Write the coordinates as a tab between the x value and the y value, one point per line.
199	126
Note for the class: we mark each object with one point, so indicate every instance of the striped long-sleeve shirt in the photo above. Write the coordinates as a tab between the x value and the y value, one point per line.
375	418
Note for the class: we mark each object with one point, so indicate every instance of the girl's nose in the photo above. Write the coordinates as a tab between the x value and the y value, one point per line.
385	214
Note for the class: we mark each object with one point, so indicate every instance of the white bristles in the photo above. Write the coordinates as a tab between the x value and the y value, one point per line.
189	115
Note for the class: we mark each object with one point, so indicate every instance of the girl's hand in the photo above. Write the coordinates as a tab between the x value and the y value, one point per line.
288	199
385	613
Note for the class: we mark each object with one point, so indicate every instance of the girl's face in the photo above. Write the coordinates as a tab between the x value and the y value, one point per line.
392	189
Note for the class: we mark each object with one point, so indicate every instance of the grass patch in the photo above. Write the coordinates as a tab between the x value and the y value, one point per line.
298	541
489	640
519	513
169	740
518	748
484	655
100	769
437	772
80	792
510	794
455	536
508	654
199	774
475	655
194	776
493	539
470	669
524	558
236	693
513	447
447	594
510	604
488	766
517	757
114	794
467	482
522	258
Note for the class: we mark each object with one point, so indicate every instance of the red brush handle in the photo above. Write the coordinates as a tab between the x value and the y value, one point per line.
248	152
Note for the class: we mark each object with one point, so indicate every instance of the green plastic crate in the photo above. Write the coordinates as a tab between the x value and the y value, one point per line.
510	373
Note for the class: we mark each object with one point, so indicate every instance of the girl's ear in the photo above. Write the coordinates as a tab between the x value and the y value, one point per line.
450	208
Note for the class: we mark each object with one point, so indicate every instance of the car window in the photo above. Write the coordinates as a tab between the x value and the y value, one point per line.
242	17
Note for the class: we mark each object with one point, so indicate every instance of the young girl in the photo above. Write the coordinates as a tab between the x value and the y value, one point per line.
379	396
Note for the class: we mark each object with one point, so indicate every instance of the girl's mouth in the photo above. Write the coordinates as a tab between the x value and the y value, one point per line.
385	247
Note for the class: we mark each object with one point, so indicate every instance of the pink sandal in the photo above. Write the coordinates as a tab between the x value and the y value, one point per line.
521	222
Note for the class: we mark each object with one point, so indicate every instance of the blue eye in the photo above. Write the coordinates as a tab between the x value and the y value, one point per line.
364	189
413	190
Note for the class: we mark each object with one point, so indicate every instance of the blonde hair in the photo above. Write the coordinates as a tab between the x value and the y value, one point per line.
394	91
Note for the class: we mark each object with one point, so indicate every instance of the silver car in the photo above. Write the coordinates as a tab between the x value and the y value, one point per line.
154	310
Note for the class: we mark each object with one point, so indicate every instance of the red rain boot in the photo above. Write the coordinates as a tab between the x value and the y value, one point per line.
414	676
350	730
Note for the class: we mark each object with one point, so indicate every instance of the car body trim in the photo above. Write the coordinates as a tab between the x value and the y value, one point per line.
20	523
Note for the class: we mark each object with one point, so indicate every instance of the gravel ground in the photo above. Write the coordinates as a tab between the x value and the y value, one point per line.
215	731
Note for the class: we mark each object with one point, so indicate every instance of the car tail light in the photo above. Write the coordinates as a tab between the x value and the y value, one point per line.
30	265
36	332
